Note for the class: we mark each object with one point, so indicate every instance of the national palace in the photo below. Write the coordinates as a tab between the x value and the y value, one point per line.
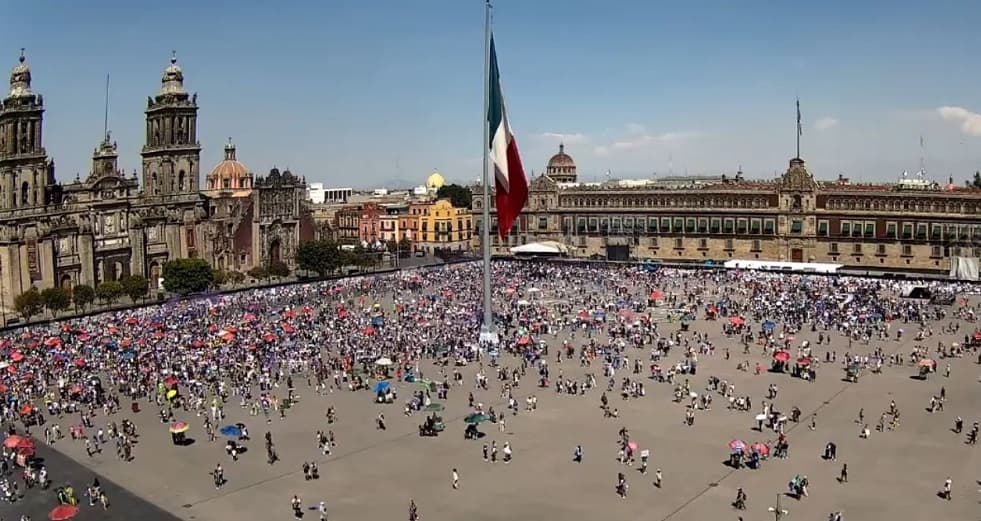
910	225
110	224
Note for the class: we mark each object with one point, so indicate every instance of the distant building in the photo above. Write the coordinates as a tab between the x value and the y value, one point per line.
443	227
914	224
317	194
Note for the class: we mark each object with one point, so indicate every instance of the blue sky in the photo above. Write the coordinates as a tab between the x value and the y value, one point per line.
356	92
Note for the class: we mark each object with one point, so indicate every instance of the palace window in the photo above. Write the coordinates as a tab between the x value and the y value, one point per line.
716	225
689	225
757	245
755	226
796	226
542	223
846	228
653	242
921	231
628	225
703	244
741	226
907	231
652	224
880	249
615	225
768	226
833	248
869	229
727	226
593	225
678	225
935	251
907	250
857	248
604	225
679	244
702	225
891	230
581	225
822	228
730	244
936	232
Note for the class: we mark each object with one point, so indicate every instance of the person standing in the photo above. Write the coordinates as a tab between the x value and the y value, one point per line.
413	511
843	478
657	478
947	487
456	480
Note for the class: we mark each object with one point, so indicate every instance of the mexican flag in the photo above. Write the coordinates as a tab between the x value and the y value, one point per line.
510	181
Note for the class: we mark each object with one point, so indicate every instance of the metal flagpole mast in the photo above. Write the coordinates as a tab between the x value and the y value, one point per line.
487	330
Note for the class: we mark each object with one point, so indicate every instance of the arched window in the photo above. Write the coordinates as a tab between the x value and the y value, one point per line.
154	187
25	190
181	180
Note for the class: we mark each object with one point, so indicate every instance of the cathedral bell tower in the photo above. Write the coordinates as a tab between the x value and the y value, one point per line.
25	171
171	155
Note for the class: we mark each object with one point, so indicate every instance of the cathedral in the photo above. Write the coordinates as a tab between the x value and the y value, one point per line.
109	225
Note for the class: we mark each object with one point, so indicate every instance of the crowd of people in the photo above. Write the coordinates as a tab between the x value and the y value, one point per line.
627	327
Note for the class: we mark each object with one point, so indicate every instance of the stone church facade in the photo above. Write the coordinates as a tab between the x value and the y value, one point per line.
110	225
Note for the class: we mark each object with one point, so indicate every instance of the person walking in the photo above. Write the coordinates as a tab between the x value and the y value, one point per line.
456	479
843	478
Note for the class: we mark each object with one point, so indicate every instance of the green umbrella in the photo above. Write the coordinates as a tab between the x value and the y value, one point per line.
476	418
435	407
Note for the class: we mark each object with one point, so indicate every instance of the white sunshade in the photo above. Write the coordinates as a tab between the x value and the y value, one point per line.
383	361
540	247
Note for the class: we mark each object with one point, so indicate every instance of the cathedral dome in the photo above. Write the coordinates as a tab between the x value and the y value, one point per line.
561	160
230	173
435	181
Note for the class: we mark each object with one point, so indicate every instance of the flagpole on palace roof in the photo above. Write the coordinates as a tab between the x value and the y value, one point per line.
488	332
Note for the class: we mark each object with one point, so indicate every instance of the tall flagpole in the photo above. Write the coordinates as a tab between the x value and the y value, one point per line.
488	332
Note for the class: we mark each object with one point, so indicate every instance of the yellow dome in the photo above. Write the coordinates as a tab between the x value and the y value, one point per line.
435	181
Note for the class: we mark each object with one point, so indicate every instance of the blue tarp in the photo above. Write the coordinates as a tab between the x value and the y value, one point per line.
231	431
381	387
378	321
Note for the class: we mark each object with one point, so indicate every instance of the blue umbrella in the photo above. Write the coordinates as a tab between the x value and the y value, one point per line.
378	321
128	355
231	431
381	387
769	325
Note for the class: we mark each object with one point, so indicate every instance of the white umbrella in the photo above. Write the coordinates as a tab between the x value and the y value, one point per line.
383	361
760	417
524	303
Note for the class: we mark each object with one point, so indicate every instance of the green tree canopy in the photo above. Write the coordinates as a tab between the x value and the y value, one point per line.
29	303
56	299
83	295
186	276
136	287
459	196
322	257
278	269
110	291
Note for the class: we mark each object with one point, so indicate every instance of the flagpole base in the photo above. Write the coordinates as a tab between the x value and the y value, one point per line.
489	336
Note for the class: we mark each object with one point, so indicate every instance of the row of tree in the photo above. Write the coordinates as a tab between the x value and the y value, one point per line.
58	299
194	275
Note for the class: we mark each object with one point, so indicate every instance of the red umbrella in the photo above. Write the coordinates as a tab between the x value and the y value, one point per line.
171	381
762	448
804	361
269	337
12	441
80	362
197	343
781	356
655	295
736	321
369	331
52	341
26	409
131	321
63	512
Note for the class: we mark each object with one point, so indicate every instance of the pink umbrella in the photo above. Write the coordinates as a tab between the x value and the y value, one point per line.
632	445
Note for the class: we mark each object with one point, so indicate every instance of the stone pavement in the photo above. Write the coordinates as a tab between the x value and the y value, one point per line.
37	503
373	474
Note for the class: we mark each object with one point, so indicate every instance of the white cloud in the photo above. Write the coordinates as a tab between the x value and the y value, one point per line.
638	139
568	139
970	122
826	123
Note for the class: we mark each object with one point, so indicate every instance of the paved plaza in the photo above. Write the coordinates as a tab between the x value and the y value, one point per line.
373	474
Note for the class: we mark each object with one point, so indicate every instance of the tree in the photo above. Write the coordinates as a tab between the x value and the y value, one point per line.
83	295
405	247
322	257
221	278
136	287
278	269
459	196
56	299
29	303
186	276
236	277
110	291
259	273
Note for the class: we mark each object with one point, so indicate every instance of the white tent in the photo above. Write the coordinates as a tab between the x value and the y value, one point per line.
964	268
540	248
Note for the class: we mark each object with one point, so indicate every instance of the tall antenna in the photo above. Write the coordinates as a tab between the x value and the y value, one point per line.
105	121
922	160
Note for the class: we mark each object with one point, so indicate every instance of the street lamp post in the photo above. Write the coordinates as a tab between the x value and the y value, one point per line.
778	512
